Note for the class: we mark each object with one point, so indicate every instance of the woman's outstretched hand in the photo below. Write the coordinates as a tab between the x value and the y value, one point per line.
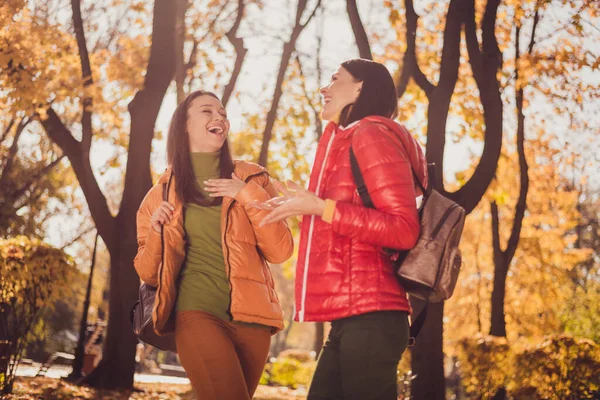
295	201
224	187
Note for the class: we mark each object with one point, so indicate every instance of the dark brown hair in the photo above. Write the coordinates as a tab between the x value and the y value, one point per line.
377	96
178	155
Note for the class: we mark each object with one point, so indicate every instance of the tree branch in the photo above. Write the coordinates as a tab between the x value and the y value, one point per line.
288	49
536	20
86	73
313	107
8	128
450	61
145	106
471	193
78	237
96	200
310	17
60	135
475	57
181	7
36	178
410	66
362	41
492	56
240	53
12	152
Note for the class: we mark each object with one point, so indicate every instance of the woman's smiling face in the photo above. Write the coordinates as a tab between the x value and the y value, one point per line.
341	91
207	124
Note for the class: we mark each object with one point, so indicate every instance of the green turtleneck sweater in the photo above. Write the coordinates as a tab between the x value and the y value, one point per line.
203	280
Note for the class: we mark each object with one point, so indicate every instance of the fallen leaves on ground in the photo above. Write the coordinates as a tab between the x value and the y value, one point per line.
27	388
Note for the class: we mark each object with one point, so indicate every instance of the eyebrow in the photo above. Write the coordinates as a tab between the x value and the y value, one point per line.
211	106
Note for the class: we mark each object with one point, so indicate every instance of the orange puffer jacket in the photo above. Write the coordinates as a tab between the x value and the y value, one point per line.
246	250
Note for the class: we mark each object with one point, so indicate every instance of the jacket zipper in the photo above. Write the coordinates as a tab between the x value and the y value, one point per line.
227	247
310	233
162	244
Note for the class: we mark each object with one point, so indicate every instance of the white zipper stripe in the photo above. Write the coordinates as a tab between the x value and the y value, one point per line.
310	232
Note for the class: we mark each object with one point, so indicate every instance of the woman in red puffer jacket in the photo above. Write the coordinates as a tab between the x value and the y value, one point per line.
344	274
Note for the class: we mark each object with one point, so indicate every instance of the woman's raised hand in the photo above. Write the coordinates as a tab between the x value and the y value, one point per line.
162	215
295	200
225	187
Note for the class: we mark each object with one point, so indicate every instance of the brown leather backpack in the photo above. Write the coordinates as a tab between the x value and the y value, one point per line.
430	269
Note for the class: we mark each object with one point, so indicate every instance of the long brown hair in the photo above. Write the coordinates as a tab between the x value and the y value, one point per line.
178	155
377	96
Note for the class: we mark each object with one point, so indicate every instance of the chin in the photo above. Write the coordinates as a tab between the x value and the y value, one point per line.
327	115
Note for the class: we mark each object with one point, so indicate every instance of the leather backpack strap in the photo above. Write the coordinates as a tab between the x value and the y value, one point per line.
361	186
417	325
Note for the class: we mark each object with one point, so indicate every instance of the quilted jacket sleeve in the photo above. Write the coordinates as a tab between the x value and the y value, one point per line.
394	223
274	240
149	253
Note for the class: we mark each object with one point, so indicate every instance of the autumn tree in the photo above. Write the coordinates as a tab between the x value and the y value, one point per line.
32	276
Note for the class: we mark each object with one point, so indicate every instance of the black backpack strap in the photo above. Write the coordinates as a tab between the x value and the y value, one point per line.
360	181
417	324
361	186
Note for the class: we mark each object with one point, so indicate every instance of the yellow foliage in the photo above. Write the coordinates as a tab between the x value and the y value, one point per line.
32	273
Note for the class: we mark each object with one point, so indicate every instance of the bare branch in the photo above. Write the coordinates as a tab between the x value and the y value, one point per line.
36	178
286	55
181	7
475	57
78	237
362	41
313	107
12	152
450	61
310	17
8	129
240	52
86	72
536	20
60	135
410	66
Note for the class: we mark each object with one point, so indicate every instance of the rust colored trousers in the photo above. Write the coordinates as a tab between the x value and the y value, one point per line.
223	360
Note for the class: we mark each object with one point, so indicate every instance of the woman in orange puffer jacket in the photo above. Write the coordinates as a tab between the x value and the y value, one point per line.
344	274
214	286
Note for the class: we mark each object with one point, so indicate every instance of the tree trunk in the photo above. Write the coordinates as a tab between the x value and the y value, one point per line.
362	40
498	321
80	351
117	366
116	369
427	358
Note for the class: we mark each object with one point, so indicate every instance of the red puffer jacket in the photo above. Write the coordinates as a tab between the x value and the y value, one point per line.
342	268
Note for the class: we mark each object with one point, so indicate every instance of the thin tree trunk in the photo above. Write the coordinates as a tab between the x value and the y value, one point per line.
503	258
240	53
181	7
79	352
288	49
362	41
427	356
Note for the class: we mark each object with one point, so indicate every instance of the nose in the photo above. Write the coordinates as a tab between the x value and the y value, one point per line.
219	117
323	90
